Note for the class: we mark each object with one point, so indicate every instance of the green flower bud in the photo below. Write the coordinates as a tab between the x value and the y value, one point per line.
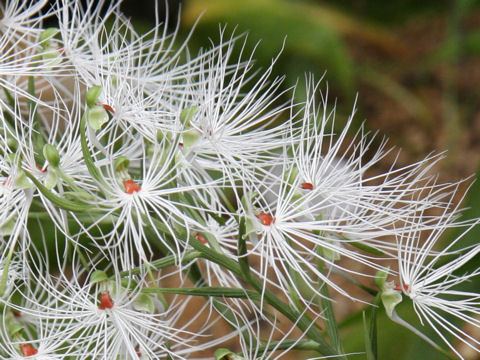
92	95
51	155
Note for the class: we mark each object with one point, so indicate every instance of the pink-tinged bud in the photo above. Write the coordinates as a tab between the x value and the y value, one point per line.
307	186
266	219
201	238
108	108
131	186
28	350
106	301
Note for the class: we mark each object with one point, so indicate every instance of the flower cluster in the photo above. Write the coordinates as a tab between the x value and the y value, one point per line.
122	165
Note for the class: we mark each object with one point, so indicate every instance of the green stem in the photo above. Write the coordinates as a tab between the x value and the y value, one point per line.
271	298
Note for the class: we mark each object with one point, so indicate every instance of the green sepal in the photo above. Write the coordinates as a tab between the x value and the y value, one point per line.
51	180
291	176
381	277
128	283
96	117
190	137
225	354
8	227
14	329
51	56
390	299
21	180
121	163
62	203
98	276
46	36
92	95
144	302
51	155
329	254
187	114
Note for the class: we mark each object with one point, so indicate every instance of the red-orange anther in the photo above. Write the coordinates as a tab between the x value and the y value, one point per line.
399	287
266	219
108	108
137	350
28	350
106	301
16	314
42	170
201	238
307	186
131	186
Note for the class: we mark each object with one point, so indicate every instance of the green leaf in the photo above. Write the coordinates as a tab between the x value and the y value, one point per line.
366	248
329	315
368	341
206	291
225	354
242	249
87	157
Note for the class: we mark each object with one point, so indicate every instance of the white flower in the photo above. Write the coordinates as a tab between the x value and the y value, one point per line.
223	126
433	280
319	204
103	318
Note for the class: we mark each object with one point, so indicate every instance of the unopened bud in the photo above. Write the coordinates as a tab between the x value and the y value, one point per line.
51	155
92	95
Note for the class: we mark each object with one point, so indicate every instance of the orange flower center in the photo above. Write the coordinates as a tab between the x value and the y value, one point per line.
131	186
28	350
108	108
399	287
266	219
307	186
106	301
